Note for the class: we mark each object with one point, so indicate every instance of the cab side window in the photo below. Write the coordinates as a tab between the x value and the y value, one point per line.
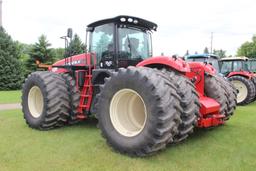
237	65
226	67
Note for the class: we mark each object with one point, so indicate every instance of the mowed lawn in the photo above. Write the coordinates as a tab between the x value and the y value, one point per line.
13	96
81	147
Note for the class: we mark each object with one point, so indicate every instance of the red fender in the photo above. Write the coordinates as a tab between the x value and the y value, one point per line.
77	60
241	73
175	63
206	67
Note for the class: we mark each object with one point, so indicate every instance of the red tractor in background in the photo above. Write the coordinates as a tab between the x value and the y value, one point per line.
239	72
142	103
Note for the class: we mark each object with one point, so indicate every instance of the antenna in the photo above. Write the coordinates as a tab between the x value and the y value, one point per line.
1	24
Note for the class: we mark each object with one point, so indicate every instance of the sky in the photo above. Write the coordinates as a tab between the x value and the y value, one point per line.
182	24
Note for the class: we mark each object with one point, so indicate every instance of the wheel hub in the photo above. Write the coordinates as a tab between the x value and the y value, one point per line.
242	90
128	112
35	101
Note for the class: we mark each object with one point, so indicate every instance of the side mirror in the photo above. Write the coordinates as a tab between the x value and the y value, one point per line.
70	33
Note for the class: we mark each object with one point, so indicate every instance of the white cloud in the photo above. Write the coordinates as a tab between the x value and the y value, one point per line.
182	24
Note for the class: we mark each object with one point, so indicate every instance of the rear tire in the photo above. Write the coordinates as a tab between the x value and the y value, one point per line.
214	89
189	103
74	98
138	111
231	95
246	89
254	82
45	100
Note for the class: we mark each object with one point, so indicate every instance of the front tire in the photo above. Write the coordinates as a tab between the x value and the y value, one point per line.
74	98
138	111
246	89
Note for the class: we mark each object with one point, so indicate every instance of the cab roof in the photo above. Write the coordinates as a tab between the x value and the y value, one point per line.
125	19
235	58
204	55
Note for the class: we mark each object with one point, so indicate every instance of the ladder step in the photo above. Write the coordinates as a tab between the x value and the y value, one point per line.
87	86
81	116
85	95
83	106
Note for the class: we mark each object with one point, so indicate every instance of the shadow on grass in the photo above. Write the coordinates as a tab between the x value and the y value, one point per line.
89	123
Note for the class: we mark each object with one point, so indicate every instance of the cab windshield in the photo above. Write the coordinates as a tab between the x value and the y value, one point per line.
213	61
134	44
121	47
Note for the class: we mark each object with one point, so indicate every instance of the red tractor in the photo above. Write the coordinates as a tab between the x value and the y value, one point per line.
239	71
142	103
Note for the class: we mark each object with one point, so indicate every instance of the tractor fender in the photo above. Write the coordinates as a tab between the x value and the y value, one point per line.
245	74
177	64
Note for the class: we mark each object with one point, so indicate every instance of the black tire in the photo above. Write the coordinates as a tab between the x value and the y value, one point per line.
250	89
231	92
55	105
189	103
215	90
74	99
162	107
254	82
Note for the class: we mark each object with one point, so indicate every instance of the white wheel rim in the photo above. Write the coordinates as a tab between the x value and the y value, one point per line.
35	101
242	90
128	112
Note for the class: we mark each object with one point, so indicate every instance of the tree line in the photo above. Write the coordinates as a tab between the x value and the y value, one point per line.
247	49
17	59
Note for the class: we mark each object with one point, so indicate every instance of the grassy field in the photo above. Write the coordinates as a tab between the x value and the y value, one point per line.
81	147
10	96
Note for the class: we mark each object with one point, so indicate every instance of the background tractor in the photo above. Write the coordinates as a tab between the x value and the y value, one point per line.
142	103
205	58
238	70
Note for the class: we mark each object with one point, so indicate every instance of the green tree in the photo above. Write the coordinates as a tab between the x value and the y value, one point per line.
248	48
11	72
41	52
59	53
221	53
206	51
76	46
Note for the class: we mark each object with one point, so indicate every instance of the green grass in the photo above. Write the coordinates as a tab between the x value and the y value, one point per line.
10	96
81	147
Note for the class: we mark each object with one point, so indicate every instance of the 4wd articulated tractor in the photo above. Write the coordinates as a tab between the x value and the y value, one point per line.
142	103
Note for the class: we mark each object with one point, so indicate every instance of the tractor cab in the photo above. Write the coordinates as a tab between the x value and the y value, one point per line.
206	58
120	42
234	64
